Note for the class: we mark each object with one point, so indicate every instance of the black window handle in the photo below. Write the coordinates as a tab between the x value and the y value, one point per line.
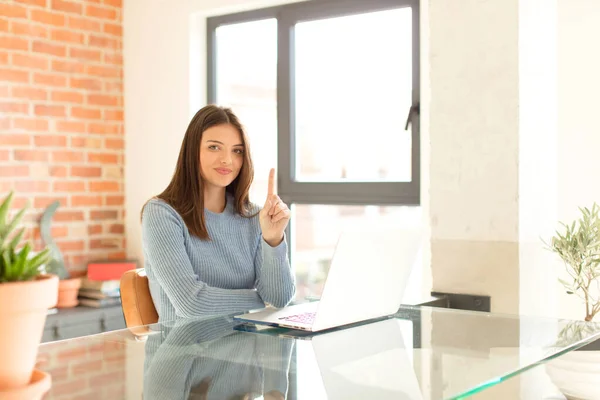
414	109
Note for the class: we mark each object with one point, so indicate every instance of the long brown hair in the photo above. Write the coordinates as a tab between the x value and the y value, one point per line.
185	192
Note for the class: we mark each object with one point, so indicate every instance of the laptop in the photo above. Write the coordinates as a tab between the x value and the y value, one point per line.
367	279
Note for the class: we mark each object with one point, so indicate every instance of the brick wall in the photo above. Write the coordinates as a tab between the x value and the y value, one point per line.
61	120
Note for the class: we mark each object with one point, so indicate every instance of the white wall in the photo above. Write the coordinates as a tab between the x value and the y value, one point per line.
578	116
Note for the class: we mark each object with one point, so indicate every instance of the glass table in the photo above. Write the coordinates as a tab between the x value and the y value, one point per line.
420	353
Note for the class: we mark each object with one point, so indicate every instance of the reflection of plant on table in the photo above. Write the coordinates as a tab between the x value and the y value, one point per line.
579	248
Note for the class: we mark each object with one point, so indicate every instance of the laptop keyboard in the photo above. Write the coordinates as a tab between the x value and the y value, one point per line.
305	318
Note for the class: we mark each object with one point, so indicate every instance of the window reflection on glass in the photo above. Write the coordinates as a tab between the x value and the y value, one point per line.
353	92
316	229
246	71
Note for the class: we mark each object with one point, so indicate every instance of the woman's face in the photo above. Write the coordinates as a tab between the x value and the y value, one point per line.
221	155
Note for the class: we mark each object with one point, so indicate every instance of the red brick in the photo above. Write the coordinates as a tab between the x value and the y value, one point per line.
58	171
29	93
68	186
43	202
90	143
50	111
113	87
14	43
4	155
31	155
70	97
32	186
117	256
86	113
50	141
84	54
103	158
102	100
39	3
103	128
100	12
97	215
93	172
14	171
46	17
62	215
30	61
68	66
48	48
12	75
70	126
86	201
117	228
63	35
105	186
38	125
67	156
49	79
3	57
111	58
114	143
84	24
94	229
88	84
113	115
4	124
3	25
67	6
103	244
10	107
13	10
15	140
113	29
28	29
114	3
104	42
76	245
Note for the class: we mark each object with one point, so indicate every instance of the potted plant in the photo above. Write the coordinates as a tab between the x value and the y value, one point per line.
577	374
68	286
26	294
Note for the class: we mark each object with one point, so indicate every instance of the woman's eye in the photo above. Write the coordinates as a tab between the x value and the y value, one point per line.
213	147
239	151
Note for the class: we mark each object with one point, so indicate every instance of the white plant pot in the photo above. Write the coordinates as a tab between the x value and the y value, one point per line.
577	374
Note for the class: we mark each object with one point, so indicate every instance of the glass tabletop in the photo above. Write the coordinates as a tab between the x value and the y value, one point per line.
420	353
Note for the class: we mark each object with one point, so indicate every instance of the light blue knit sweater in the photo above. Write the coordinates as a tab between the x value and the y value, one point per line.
235	271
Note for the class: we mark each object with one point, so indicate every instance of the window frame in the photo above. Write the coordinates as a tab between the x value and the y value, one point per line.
327	193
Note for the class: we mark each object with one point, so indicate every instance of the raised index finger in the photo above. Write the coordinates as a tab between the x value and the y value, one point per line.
270	187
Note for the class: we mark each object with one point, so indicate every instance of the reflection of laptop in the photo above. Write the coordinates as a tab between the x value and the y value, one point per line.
367	278
365	362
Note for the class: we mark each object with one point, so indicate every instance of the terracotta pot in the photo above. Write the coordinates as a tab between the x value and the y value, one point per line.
22	318
68	289
35	390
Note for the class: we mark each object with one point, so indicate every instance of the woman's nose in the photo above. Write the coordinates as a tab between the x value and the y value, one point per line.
226	160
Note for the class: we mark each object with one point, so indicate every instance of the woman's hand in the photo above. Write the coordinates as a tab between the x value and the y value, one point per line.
274	216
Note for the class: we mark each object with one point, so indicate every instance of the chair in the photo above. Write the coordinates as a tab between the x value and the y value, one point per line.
136	301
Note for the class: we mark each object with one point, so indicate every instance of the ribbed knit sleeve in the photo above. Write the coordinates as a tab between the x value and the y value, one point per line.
163	236
275	281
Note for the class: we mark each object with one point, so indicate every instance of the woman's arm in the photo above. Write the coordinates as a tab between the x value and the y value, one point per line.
162	230
275	280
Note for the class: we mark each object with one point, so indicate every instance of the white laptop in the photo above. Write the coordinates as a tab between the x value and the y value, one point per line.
367	279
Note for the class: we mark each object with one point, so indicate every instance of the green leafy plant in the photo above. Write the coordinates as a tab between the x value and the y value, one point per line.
17	264
579	248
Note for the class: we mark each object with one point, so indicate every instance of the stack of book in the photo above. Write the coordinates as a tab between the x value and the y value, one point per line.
100	287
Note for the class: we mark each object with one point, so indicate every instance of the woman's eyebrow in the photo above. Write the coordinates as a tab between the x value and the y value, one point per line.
216	141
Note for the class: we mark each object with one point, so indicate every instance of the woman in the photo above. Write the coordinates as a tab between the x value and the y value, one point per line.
207	249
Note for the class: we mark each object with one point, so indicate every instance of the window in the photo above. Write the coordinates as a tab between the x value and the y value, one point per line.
329	93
